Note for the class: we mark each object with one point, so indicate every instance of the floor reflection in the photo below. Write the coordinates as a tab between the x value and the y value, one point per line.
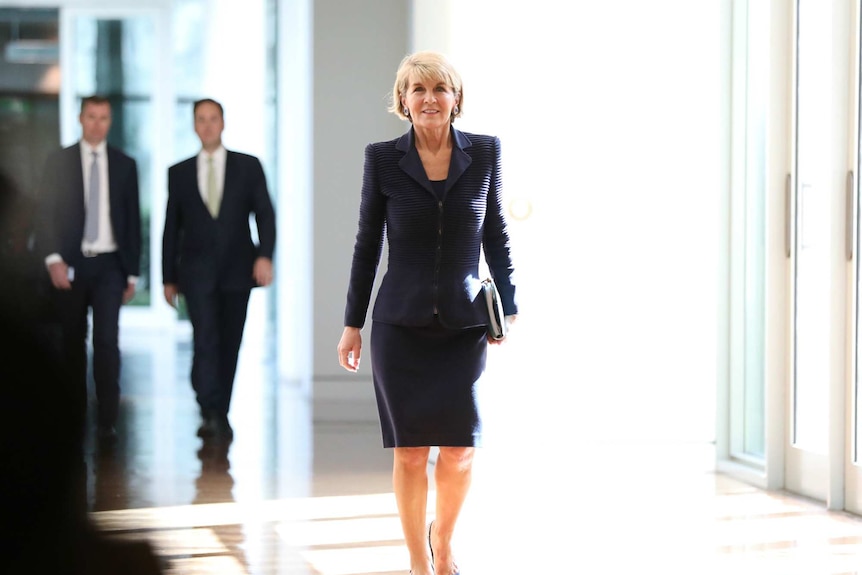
301	491
215	483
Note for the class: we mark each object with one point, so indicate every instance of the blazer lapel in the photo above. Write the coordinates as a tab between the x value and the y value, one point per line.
113	188
79	202
460	160
412	165
229	179
192	174
410	162
74	158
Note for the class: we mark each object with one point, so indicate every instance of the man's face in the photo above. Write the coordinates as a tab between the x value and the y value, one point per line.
209	125
95	122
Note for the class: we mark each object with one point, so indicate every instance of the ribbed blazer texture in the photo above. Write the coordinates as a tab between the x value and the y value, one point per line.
434	245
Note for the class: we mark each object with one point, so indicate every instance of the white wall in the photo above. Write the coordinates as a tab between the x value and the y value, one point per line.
357	48
612	117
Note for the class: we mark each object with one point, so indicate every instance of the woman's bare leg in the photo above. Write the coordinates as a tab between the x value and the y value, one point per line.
453	474
410	482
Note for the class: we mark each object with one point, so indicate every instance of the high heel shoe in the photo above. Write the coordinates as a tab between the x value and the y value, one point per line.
431	547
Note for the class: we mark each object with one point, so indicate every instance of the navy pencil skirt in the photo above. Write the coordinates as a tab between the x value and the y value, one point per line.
425	382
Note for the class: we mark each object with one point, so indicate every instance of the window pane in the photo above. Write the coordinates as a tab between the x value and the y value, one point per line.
812	284
748	392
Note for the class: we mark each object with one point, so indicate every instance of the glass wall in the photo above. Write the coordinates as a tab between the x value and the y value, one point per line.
118	53
116	58
29	89
197	73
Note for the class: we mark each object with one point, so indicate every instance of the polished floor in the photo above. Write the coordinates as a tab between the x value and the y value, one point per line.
304	489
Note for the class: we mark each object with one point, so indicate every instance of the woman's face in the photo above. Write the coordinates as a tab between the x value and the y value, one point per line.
430	102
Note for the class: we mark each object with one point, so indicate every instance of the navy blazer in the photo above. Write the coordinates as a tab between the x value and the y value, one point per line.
434	245
63	212
202	253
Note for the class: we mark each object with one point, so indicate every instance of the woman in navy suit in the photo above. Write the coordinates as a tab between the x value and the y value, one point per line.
437	194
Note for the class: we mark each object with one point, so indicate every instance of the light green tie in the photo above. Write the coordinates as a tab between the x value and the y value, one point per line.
212	190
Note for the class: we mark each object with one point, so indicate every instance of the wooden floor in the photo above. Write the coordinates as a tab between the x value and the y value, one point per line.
305	489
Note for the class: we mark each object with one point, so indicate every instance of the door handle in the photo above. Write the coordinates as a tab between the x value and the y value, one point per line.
788	195
850	215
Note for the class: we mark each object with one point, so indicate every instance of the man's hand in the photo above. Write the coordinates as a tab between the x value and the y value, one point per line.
172	292
59	272
129	292
262	271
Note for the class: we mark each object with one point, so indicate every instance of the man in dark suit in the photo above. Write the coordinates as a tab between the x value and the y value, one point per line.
209	256
90	235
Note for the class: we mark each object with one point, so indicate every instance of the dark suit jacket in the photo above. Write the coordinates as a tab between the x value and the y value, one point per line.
202	253
63	212
434	246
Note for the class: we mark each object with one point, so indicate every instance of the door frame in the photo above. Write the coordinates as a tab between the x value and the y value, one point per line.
853	469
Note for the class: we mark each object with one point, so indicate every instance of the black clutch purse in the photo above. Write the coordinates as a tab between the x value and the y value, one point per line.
496	319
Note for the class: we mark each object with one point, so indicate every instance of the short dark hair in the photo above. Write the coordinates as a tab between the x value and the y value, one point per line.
208	101
95	100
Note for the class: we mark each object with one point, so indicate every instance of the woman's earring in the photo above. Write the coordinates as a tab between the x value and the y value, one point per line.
406	111
456	110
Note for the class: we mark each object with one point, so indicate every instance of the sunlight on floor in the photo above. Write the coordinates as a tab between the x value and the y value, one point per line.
300	509
330	535
714	525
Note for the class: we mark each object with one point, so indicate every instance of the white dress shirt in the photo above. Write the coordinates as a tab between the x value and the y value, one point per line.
219	157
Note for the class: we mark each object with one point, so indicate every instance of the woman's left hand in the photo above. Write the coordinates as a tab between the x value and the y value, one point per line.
510	319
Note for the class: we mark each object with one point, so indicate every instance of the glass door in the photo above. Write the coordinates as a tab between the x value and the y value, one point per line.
118	53
807	461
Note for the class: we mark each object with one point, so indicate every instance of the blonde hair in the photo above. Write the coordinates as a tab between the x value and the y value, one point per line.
426	66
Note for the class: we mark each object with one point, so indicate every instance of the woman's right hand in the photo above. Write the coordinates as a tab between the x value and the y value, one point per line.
350	348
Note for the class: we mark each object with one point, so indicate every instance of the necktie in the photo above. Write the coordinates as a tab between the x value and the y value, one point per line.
91	229
212	191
